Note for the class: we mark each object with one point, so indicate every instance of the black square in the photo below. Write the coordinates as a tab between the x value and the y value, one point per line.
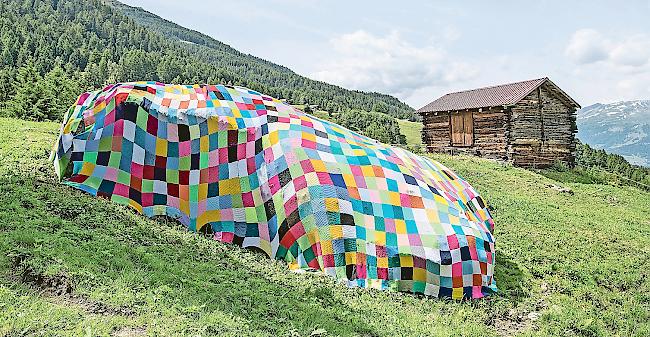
127	111
271	118
284	228
232	153
445	257
293	218
103	157
195	161
464	254
320	134
135	195
159	174
183	132
347	219
407	273
284	177
269	207
258	145
213	189
351	272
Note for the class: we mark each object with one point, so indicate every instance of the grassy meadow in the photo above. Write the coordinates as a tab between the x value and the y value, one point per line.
569	263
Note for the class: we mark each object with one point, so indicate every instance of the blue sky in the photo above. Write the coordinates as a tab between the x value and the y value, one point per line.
597	51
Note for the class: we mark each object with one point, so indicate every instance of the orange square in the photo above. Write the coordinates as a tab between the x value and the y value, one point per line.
166	102
416	202
184	105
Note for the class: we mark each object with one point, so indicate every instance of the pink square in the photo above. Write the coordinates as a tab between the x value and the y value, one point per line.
137	170
185	148
121	190
299	183
457	269
453	242
247	199
147	199
111	174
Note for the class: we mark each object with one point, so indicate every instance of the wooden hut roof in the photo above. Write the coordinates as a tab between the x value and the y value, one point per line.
498	95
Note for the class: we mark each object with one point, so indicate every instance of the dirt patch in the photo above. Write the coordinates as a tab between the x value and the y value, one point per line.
89	306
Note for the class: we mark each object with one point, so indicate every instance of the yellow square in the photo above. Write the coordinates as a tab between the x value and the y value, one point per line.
87	169
274	137
400	226
205	144
319	166
332	204
213	125
367	171
406	261
229	186
326	247
394	199
203	191
382	262
309	136
457	293
350	258
161	147
349	180
336	232
419	274
380	238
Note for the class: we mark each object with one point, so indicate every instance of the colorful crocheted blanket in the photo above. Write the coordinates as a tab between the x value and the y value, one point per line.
249	169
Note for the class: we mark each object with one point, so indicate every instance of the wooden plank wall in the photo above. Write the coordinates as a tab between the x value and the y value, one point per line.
542	130
489	128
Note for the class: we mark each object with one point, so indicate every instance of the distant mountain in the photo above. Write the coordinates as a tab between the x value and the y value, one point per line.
622	128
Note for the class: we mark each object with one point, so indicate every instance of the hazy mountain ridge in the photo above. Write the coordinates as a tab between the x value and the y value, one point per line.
621	127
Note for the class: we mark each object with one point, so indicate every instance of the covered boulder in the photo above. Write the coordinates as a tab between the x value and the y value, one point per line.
246	168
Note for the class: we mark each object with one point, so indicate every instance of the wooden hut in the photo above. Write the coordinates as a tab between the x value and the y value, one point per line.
530	123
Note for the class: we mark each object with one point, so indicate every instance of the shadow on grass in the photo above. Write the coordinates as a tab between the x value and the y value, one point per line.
512	282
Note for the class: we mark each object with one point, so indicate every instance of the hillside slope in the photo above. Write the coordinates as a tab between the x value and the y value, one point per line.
98	42
622	128
71	264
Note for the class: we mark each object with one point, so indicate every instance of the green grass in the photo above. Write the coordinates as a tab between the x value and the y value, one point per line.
412	131
70	264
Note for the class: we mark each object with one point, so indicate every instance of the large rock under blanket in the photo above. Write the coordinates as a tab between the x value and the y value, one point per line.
248	169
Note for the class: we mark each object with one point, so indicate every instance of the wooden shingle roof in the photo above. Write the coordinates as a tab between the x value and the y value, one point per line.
498	95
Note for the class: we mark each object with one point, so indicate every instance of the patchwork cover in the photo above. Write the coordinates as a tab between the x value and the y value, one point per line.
249	169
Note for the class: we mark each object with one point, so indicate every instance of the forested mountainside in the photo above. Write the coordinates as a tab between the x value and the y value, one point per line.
622	128
51	50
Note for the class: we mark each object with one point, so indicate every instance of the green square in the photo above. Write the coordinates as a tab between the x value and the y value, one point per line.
119	199
143	117
90	157
296	170
172	176
114	159
244	183
204	161
195	131
251	215
105	143
184	163
123	178
147	186
194	193
93	182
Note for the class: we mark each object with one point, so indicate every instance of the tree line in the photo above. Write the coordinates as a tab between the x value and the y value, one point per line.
52	50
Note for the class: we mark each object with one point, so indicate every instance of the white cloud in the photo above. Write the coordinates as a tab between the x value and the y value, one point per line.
590	46
390	64
587	46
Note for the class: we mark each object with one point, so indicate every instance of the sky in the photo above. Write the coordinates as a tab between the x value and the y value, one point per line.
418	50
